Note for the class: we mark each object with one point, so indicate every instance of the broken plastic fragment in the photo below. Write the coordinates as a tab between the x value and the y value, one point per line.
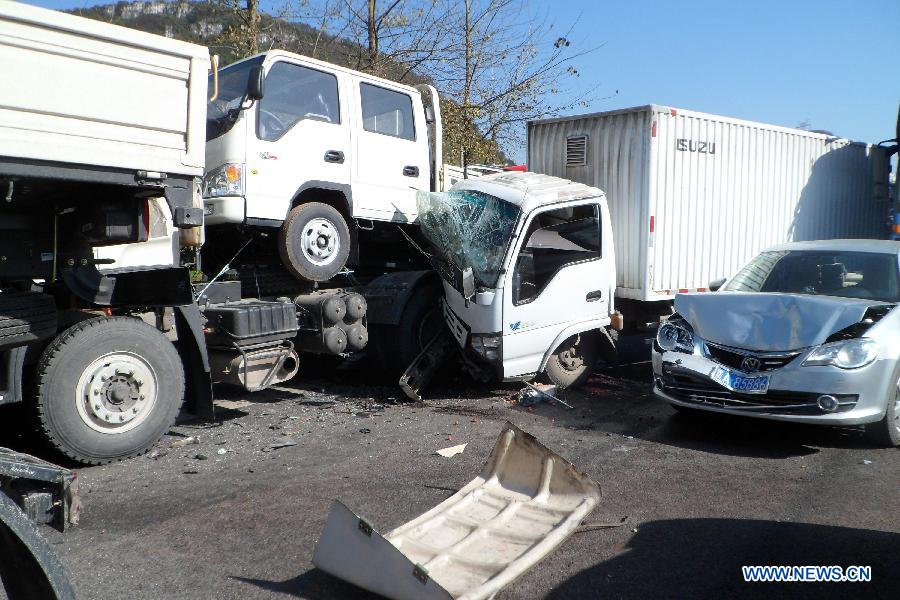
452	450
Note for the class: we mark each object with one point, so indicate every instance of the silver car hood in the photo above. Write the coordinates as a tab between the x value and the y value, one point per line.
769	322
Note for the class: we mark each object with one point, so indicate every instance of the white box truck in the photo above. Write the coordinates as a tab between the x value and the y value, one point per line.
693	196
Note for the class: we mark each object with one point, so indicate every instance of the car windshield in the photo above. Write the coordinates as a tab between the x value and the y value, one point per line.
847	274
232	87
468	229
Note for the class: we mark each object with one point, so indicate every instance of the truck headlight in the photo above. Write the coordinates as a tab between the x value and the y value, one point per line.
673	337
488	346
849	354
226	180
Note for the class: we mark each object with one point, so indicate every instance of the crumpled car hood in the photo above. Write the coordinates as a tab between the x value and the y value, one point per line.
769	322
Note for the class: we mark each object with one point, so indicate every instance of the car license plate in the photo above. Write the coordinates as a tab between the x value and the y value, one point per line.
738	382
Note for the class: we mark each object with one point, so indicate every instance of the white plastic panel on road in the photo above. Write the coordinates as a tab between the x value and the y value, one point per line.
693	196
526	502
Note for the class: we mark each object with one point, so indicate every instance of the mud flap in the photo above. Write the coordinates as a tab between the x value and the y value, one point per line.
419	373
526	502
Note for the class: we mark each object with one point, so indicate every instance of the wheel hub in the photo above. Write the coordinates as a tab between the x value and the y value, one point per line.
320	241
116	392
570	359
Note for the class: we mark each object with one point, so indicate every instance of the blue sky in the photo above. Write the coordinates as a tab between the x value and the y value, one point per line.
833	63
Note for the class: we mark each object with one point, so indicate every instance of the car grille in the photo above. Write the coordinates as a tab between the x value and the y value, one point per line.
688	386
734	358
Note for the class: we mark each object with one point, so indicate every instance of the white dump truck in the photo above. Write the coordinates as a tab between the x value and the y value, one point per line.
694	196
101	176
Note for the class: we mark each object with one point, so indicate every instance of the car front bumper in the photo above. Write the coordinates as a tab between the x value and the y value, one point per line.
224	210
684	379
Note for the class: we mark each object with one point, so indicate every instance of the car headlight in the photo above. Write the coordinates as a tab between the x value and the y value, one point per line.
488	346
848	354
226	180
673	337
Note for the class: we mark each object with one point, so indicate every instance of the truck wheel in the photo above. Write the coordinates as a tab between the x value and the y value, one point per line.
314	242
573	361
886	432
108	389
396	346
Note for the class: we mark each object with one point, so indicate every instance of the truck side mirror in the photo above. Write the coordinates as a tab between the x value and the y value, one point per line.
256	83
714	286
429	115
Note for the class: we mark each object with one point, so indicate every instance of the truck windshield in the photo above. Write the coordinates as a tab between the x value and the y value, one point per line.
468	229
866	275
232	87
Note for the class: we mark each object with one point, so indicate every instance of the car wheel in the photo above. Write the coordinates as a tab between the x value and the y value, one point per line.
314	242
108	389
886	432
572	363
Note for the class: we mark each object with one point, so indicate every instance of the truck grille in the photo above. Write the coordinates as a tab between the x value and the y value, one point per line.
734	358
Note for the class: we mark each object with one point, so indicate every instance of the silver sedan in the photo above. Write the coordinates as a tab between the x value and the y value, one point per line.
806	332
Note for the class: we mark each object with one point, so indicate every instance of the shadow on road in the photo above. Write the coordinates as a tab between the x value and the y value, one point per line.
702	558
315	584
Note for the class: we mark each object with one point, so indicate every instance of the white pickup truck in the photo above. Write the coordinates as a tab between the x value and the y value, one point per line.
317	152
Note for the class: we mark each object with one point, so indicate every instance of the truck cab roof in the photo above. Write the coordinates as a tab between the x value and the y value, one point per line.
530	190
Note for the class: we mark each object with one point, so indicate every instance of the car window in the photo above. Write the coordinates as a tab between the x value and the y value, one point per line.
555	238
387	112
830	273
293	93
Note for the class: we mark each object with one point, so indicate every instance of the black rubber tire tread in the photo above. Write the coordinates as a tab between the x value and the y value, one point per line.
884	432
289	233
396	346
564	378
26	317
55	412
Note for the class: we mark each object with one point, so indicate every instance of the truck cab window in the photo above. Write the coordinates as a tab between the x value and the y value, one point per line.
555	238
294	93
387	112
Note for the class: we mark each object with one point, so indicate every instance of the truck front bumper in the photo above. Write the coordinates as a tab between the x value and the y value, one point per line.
224	210
684	380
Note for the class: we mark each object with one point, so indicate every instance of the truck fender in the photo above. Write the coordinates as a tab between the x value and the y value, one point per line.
29	567
388	294
596	326
192	349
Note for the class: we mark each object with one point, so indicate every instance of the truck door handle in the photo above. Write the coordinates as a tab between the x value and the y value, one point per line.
334	156
411	171
595	295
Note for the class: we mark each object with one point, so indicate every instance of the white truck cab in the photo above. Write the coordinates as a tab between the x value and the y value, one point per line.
324	150
529	272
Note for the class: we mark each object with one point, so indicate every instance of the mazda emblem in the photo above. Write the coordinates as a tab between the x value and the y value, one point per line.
750	364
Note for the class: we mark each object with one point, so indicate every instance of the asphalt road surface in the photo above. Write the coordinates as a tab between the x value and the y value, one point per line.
234	516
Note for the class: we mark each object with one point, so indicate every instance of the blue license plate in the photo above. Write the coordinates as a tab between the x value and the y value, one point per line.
738	382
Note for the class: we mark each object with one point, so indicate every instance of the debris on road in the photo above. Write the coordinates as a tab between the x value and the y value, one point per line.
221	451
278	445
585	526
452	450
434	555
187	441
201	457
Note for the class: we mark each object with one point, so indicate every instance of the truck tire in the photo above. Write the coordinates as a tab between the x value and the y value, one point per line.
572	363
886	432
314	242
108	389
396	346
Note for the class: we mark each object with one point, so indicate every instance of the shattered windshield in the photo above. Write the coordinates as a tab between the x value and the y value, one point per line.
468	229
864	275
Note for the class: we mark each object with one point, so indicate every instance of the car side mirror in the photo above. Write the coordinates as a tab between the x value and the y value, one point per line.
256	83
715	286
468	283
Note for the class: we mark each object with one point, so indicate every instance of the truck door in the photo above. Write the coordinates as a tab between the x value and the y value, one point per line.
302	135
392	159
559	277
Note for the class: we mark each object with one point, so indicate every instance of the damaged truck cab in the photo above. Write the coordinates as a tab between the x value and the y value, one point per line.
529	273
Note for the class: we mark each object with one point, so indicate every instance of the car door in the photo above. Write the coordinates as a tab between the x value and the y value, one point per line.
301	135
391	160
557	277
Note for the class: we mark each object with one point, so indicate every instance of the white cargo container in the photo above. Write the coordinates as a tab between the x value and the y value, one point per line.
90	93
693	196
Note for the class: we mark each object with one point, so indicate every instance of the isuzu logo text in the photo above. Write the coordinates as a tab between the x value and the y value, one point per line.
686	145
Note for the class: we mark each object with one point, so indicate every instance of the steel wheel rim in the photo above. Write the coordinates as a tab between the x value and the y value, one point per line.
320	241
116	392
571	359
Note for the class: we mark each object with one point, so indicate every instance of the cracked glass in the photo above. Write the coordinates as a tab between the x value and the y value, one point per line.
468	229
